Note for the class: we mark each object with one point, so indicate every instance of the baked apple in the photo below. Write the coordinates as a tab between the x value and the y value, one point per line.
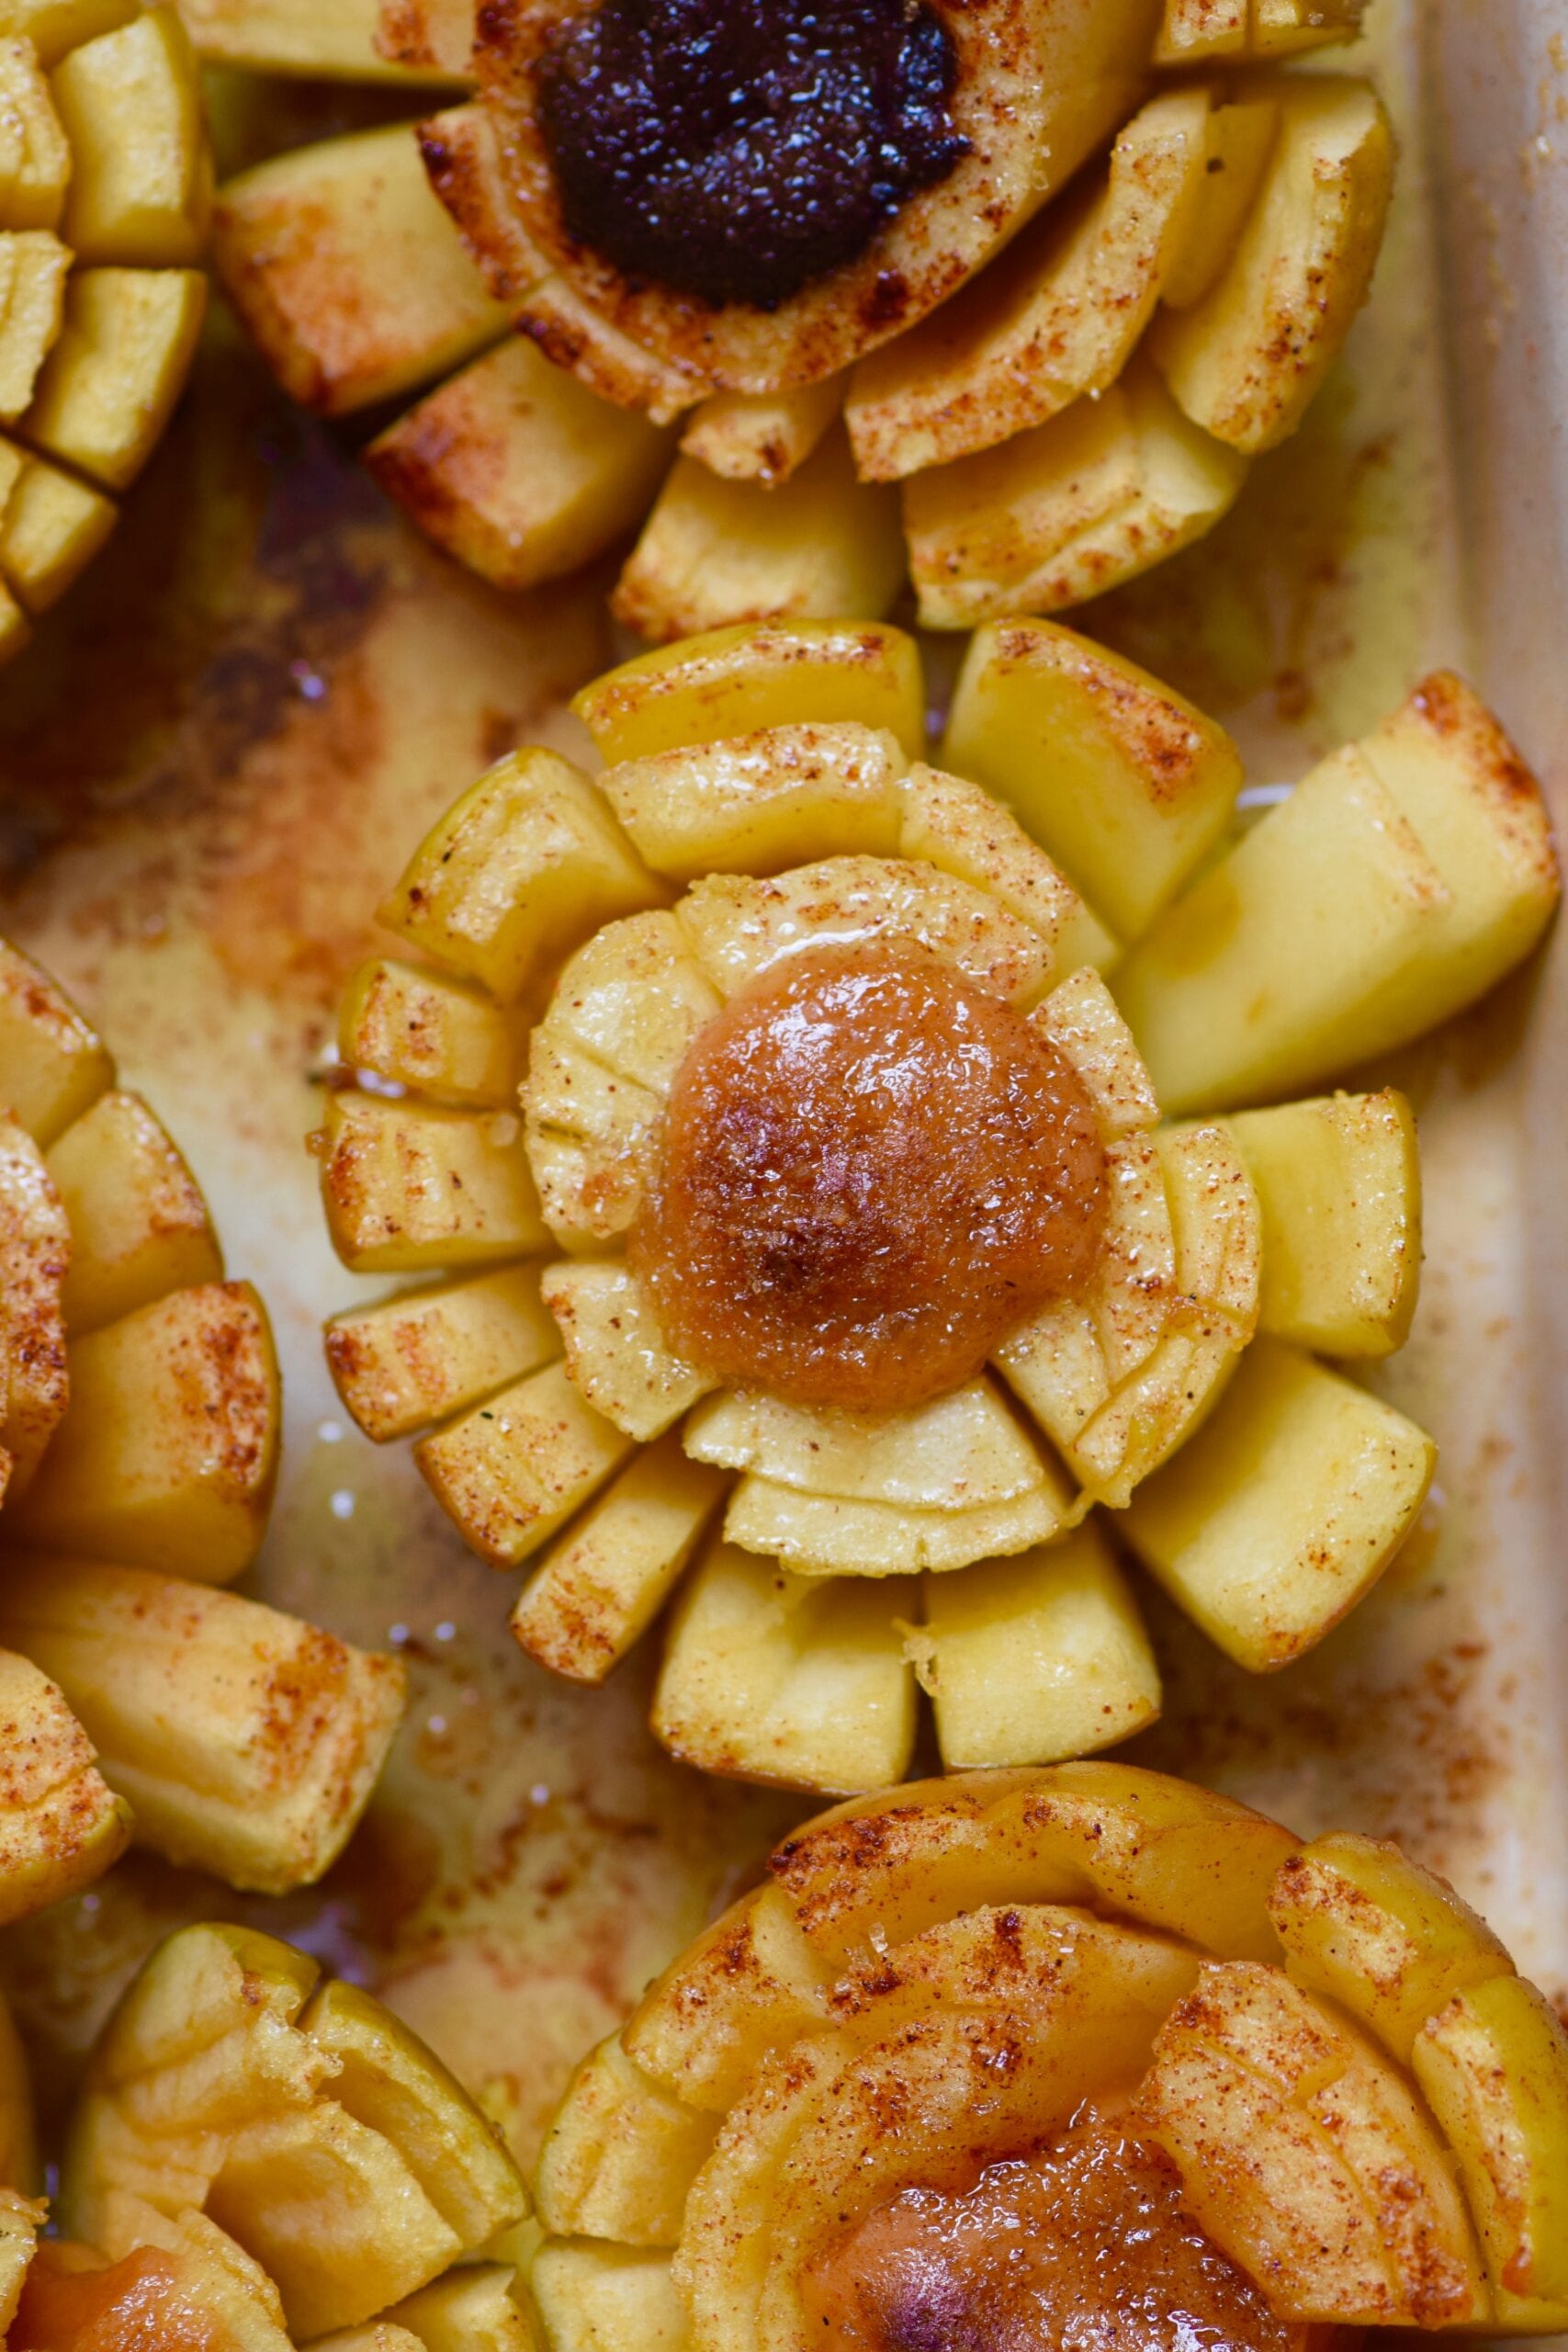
1010	2055
845	248
839	1266
141	1435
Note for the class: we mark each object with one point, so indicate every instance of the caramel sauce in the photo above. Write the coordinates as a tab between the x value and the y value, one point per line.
135	2305
871	1171
1086	2248
737	153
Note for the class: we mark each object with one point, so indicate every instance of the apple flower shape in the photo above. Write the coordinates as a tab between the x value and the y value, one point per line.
1045	2008
1010	319
259	2157
766	824
138	1431
105	192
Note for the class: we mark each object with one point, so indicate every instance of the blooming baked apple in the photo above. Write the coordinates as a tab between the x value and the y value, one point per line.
680	257
1012	2055
258	2156
105	188
140	1436
840	1265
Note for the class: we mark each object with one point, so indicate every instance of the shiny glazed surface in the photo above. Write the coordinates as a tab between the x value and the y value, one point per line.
1085	2248
737	153
131	2306
871	1172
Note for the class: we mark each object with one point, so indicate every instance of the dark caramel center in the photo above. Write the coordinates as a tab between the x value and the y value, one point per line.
735	149
871	1172
1085	2249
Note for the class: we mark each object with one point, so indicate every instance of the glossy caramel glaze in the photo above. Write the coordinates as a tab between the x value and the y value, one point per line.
738	153
871	1172
134	2305
1086	2248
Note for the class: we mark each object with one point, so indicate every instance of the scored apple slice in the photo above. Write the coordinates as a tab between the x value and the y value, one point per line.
51	529
60	1825
35	157
755	804
110	382
590	2293
615	1350
139	1224
408	1187
763	436
465	169
416	1357
1052	320
620	2154
140	169
348	272
33	267
737	680
1196	31
246	1743
1081	1020
442	1038
957	826
1240	138
35	1256
513	1471
56	1064
715	549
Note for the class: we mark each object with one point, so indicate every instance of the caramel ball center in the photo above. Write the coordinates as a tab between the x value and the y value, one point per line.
871	1172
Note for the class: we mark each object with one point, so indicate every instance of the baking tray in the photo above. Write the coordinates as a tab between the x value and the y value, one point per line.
214	760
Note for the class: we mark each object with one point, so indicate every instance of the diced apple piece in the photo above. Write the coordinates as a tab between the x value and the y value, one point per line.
753	804
763	436
1068	510
713	549
1339	1183
246	1743
432	38
593	2297
1082	1022
615	1352
33	266
513	1471
521	868
408	1188
110	383
773	1677
1388	1941
1030	1659
60	1825
55	26
738	927
51	528
823	1535
1282	1512
55	1065
169	1458
739	679
517	471
337	41
1196	31
609	1576
1307	2159
608	1125
1241	137
348	272
959	827
634	997
470	2310
21	2221
1493	2068
619	2155
1247	361
412	1359
1052	321
963	1451
1126	783
1282	27
1271	971
440	1037
139	1224
35	157
35	1253
140	170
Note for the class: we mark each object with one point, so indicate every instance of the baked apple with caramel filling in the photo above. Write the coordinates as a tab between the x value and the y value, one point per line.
1077	2055
978	252
840	1270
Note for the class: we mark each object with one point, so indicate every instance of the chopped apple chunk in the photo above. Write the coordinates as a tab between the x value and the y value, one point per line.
739	679
1285	1508
246	1743
140	169
21	2221
620	2155
35	1256
517	471
424	1353
774	1677
34	156
516	871
472	2310
349	273
33	267
55	1065
139	1224
1081	1020
514	1471
753	804
51	528
408	1187
1240	139
826	1535
615	1352
593	2297
440	1037
714	551
956	826
633	999
167	1459
60	1824
110	383
338	40
763	436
